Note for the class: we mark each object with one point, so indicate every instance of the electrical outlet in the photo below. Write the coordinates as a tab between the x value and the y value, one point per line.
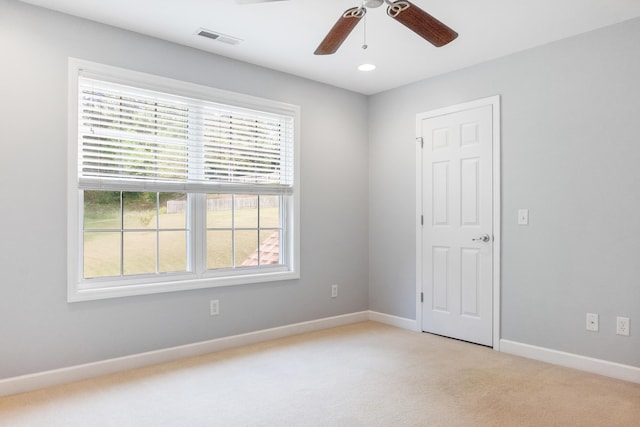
214	307
334	291
592	322
622	326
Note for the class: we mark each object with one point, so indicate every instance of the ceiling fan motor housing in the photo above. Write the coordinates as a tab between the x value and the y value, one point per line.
373	3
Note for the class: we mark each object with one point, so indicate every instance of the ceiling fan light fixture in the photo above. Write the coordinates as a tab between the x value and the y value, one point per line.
366	67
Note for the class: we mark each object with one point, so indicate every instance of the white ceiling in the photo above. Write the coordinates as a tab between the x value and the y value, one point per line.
282	35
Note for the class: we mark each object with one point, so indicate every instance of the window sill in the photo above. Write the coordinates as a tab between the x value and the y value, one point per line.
126	288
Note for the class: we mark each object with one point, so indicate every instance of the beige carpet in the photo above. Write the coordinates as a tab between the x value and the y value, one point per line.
365	374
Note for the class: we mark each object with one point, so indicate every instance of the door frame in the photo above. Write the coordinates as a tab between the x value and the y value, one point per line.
493	101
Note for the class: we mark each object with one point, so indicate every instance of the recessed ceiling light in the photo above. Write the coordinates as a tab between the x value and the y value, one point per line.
367	67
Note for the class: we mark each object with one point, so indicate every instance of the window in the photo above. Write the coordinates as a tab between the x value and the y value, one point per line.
176	186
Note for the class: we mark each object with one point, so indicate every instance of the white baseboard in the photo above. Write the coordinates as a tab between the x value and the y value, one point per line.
39	380
398	322
570	360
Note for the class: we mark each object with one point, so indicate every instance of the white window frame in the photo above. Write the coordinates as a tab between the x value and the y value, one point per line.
79	289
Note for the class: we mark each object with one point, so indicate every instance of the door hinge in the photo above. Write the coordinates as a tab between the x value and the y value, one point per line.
421	296
421	141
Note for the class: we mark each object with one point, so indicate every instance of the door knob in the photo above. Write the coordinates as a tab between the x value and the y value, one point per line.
484	238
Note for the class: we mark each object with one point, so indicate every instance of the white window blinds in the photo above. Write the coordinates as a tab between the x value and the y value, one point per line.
144	139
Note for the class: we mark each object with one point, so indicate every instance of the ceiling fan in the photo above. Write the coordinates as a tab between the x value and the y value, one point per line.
403	11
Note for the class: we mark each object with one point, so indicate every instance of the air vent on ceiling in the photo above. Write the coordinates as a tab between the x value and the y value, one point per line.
218	36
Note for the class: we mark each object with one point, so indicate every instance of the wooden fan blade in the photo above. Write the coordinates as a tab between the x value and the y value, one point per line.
421	23
340	31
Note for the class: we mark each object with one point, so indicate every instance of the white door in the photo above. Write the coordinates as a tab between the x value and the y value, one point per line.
457	233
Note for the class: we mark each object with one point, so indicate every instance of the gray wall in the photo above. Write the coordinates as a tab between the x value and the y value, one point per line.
39	330
570	154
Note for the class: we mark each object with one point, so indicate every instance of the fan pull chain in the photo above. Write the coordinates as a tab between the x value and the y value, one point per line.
364	42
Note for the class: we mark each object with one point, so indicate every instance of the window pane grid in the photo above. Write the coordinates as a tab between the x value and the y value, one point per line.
249	246
141	238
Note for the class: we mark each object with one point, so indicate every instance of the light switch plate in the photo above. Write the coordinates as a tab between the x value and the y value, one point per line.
592	322
523	216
